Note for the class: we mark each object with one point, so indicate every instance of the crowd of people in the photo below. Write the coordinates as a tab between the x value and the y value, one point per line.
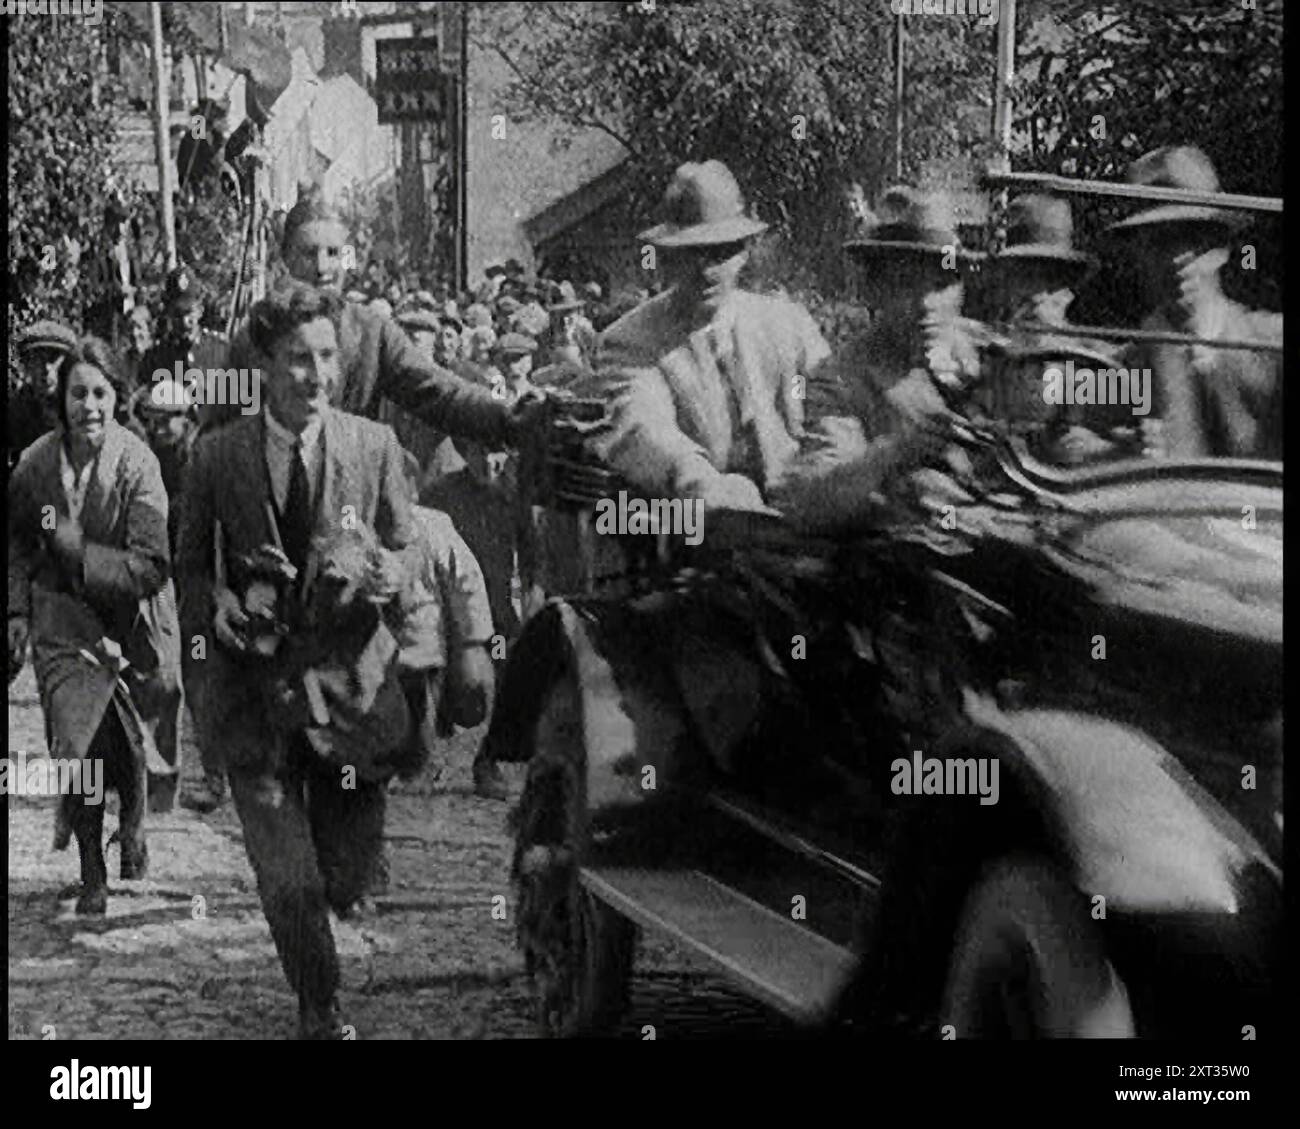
331	582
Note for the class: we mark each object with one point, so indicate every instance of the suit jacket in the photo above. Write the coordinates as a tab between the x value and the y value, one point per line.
380	361
119	603
1218	402
708	412
239	705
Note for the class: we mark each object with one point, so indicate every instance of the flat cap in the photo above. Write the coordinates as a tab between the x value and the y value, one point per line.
47	335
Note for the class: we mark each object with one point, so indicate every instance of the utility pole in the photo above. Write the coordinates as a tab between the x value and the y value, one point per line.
161	140
899	75
462	155
1002	114
1006	75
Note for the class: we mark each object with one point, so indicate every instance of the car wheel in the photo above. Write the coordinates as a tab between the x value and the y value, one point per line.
578	951
1029	962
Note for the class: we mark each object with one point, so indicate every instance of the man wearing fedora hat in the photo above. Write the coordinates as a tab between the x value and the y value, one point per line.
1034	279
1211	402
914	281
706	380
572	336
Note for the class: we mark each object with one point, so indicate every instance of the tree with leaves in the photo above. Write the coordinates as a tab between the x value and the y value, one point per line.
60	179
795	96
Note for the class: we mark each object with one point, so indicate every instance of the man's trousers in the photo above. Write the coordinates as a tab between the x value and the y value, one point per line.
313	845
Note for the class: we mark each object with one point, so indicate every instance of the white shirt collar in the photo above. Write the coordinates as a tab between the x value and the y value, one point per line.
277	432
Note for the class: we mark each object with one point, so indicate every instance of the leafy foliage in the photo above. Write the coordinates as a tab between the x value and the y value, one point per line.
60	181
795	97
1102	83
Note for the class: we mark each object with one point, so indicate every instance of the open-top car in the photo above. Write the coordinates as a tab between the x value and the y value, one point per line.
1005	765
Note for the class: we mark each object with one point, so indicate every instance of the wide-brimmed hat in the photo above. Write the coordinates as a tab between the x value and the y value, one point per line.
451	320
566	298
1040	229
1045	347
910	222
508	304
416	317
703	205
1177	166
46	335
514	345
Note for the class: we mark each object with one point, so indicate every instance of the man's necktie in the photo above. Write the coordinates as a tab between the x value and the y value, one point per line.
296	524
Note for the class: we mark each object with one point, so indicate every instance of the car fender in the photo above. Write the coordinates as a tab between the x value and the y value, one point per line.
634	725
1133	824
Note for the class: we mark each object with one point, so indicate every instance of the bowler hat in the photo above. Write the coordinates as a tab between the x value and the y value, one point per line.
1041	229
494	270
910	222
514	268
47	335
1177	166
703	205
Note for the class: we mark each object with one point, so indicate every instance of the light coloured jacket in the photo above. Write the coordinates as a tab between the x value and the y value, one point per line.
717	412
109	632
449	607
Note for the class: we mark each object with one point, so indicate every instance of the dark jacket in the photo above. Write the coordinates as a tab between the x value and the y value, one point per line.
236	707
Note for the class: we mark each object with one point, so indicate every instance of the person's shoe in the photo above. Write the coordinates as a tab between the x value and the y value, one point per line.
489	782
206	797
93	902
134	862
317	1022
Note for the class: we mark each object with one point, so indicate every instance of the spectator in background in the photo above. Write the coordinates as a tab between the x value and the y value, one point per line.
448	344
140	341
447	631
479	500
512	365
33	404
572	336
481	341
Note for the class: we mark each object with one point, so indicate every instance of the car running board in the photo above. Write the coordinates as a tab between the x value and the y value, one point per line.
770	957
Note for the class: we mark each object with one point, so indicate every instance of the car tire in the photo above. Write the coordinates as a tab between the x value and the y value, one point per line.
578	951
1028	961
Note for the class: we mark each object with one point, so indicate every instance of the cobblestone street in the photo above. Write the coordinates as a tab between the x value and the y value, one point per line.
186	953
